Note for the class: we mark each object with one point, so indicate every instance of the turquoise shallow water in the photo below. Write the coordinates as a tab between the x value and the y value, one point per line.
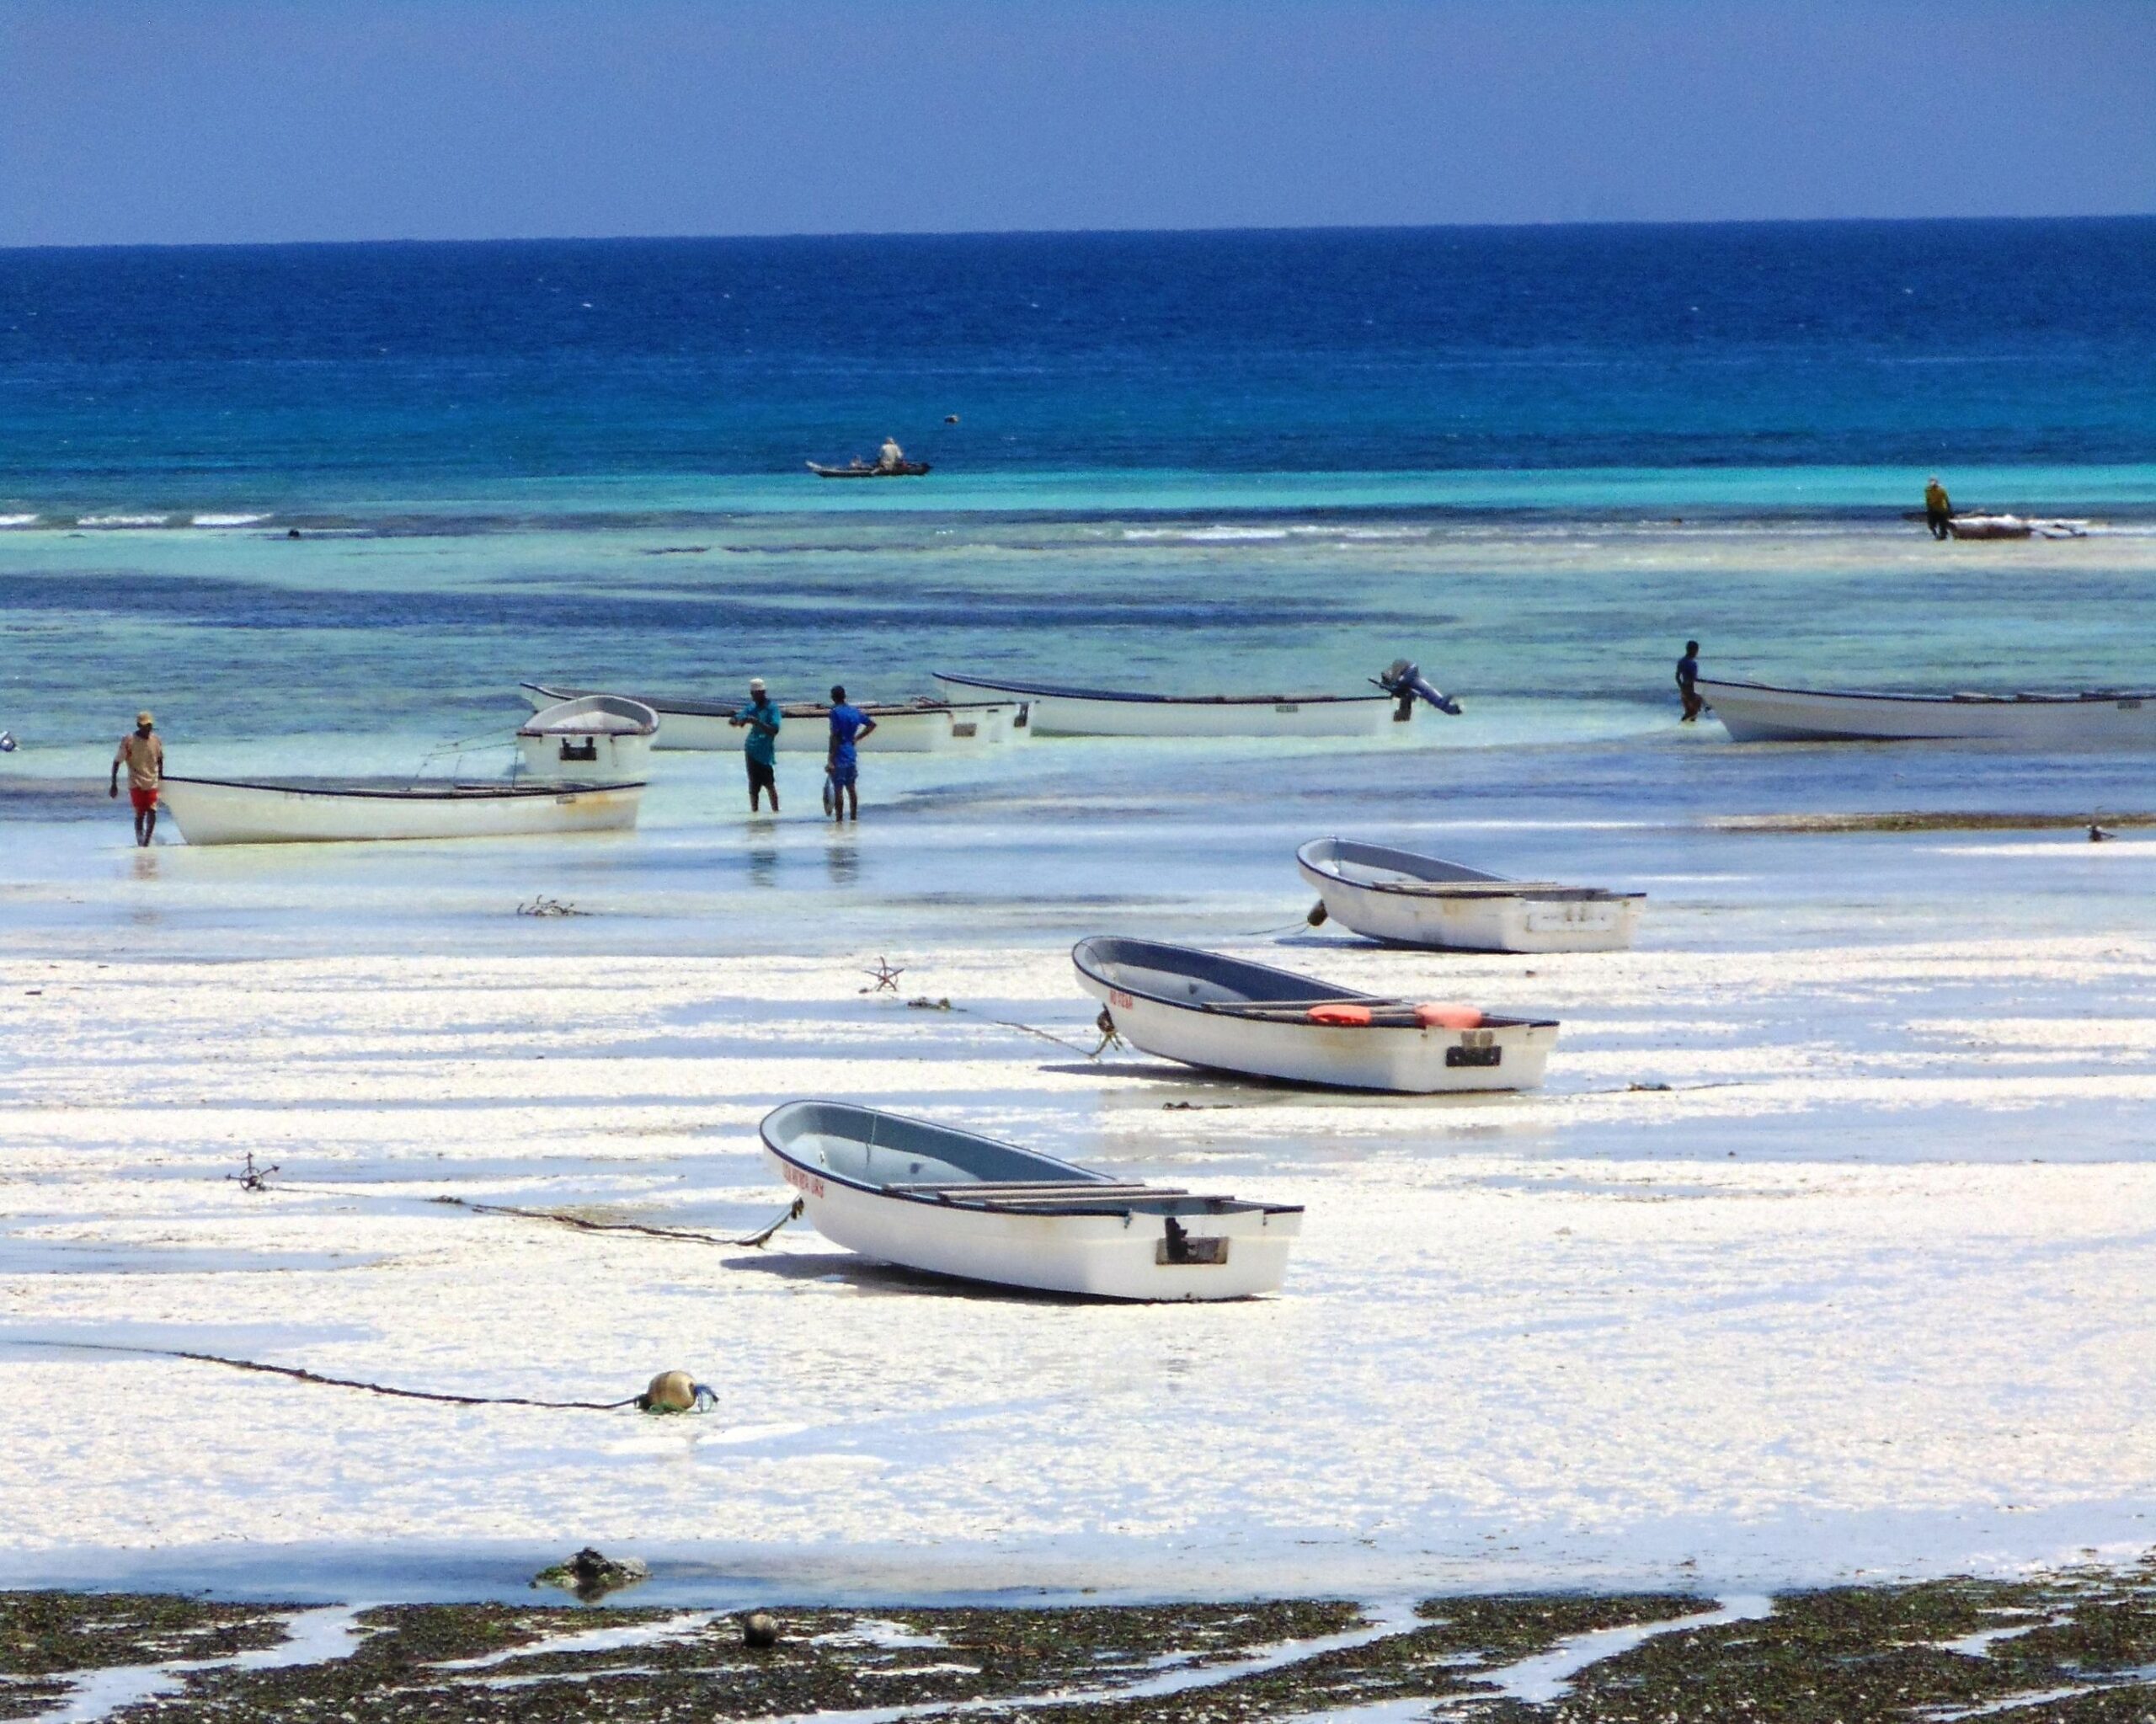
1536	462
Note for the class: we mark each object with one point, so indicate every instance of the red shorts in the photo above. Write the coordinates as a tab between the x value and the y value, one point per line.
144	800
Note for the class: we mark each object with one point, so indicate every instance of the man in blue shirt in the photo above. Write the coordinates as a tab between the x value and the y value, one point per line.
761	718
849	724
1688	676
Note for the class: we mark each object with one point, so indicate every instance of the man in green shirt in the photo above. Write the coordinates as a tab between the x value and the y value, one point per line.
761	719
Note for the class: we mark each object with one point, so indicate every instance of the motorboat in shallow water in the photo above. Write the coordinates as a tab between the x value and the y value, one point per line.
1407	899
594	738
315	811
930	1197
1759	712
1057	710
902	727
1226	1014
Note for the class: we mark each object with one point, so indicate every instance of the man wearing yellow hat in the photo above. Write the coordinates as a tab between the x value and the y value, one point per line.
143	752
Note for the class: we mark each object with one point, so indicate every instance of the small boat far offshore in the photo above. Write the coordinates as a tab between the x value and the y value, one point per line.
322	811
1759	712
932	1197
864	470
1407	899
1057	710
1222	1014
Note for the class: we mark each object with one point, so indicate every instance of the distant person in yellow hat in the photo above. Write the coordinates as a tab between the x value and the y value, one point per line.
1937	511
143	752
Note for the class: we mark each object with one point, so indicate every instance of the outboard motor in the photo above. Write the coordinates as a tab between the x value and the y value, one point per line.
1406	683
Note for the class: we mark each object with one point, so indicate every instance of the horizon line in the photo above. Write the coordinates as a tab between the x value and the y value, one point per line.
1235	229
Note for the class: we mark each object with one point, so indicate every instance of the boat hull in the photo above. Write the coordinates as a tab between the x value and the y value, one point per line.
593	740
210	813
1100	1256
1078	714
1477	914
705	729
1758	713
1408	1061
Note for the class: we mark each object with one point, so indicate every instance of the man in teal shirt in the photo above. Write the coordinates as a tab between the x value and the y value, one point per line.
761	719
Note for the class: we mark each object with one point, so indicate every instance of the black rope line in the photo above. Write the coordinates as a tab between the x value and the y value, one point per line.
299	1375
584	1225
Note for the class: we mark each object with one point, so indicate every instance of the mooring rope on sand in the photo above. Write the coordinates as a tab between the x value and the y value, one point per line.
258	1180
586	1225
298	1375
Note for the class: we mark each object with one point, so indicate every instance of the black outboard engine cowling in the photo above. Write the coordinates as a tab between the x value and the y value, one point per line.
1405	682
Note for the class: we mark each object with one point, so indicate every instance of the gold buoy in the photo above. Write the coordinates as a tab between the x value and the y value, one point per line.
670	1391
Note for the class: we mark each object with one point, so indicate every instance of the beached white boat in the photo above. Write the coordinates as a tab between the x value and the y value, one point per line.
1229	1016
304	811
1757	711
928	1197
902	727
1407	899
1056	711
596	738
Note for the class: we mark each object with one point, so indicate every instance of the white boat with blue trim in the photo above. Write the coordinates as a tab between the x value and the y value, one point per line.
2095	719
1223	1014
1055	709
330	811
921	727
933	1197
1407	899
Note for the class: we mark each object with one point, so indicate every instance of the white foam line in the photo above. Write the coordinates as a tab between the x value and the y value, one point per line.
876	1631
594	1640
1385	1619
2008	1703
1546	1677
1979	1644
311	1637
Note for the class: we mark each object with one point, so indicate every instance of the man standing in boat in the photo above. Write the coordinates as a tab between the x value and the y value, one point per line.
849	724
890	458
143	752
1688	683
1937	510
761	719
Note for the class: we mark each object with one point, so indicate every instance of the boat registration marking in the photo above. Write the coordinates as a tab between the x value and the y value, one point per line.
1286	707
1196	1254
804	1182
1475	1056
1118	997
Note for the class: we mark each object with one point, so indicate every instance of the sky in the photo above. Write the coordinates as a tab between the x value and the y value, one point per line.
247	121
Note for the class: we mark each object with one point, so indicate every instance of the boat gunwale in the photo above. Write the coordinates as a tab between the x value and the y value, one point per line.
1033	690
515	791
1489	886
644	730
1240	1010
1126	1205
2024	697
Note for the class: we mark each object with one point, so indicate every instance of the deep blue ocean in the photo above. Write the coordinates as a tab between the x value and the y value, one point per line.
311	378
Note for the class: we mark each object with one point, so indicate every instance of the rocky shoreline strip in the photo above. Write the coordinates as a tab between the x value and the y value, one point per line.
2078	1646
